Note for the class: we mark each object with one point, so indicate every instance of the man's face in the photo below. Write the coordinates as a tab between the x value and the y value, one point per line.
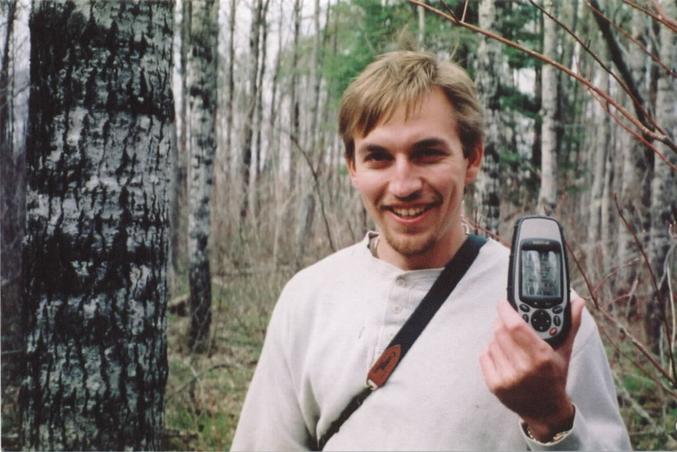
411	175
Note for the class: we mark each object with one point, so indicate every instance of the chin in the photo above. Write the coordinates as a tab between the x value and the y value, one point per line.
410	246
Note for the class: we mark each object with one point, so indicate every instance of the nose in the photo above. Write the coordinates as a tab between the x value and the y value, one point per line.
405	182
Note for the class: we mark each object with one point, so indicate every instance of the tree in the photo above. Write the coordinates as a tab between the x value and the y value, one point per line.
547	196
201	91
252	97
13	81
663	190
488	76
100	131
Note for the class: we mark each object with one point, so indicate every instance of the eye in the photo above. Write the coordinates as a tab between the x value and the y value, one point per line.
430	154
376	156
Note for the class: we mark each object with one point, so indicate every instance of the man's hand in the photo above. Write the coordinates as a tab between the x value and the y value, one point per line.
527	375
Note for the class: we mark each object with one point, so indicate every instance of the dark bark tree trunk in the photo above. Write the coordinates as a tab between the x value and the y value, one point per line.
294	114
248	133
254	189
101	118
201	86
12	220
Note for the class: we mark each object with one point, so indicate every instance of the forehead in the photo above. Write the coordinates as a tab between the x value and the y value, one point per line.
432	115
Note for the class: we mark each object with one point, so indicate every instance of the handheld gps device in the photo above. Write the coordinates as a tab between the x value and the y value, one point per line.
538	277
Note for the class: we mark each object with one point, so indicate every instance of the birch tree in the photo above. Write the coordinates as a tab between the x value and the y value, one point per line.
547	195
663	189
13	83
252	96
488	67
101	119
201	85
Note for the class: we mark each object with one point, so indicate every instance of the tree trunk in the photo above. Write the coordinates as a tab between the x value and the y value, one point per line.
248	133
254	189
201	84
663	189
295	125
635	183
547	196
12	212
101	119
600	149
488	68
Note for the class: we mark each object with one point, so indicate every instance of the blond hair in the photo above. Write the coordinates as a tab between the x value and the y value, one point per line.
403	78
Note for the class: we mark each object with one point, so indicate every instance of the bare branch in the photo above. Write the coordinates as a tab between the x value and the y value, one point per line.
316	181
654	281
600	15
633	119
659	17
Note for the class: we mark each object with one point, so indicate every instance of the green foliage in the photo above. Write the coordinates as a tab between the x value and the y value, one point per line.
515	20
363	29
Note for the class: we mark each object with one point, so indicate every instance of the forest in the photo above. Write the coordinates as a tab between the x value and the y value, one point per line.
167	166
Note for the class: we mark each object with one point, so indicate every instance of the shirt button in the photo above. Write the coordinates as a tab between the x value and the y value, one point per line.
397	309
400	282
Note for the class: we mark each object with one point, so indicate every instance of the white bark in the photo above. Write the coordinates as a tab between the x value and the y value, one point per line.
488	75
97	204
547	196
664	186
634	196
201	85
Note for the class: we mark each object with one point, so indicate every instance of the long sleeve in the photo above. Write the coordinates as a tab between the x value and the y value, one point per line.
271	417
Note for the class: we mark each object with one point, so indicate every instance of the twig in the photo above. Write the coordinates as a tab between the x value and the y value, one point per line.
589	51
317	188
630	38
623	392
638	365
634	120
654	281
196	376
634	134
661	17
647	354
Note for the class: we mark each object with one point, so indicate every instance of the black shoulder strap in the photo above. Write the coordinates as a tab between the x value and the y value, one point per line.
399	346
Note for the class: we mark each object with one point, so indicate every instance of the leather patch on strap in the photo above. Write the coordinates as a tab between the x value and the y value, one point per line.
385	365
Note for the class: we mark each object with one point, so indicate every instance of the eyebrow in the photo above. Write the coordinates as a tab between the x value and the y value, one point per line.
424	143
430	142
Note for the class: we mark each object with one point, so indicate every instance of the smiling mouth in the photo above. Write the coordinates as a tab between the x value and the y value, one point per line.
410	212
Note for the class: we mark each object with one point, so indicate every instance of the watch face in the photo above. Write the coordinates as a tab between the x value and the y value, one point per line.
541	270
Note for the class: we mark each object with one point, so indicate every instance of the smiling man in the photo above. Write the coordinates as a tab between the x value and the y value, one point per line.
476	377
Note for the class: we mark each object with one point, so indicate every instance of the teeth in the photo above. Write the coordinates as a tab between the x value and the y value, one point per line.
414	212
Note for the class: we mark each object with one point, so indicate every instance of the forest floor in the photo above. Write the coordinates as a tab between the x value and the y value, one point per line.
205	391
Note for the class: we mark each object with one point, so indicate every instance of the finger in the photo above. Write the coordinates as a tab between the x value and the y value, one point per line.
519	330
577	305
502	363
488	370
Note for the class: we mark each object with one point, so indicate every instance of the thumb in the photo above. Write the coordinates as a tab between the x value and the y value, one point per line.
577	305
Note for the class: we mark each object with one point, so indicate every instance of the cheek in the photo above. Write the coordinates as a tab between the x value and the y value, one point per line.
369	187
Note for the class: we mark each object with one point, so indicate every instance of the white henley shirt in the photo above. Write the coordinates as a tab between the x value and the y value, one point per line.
333	320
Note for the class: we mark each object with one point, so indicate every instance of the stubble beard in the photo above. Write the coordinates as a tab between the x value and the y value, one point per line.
409	246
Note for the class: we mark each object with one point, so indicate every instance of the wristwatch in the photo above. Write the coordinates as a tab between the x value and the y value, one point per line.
555	439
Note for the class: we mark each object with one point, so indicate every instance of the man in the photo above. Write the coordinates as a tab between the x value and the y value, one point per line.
477	377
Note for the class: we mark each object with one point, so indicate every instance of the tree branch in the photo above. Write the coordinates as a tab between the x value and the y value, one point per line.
629	116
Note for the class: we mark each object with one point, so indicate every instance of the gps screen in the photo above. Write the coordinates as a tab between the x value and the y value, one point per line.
541	273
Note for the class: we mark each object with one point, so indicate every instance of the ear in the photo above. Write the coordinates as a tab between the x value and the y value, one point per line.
352	172
474	163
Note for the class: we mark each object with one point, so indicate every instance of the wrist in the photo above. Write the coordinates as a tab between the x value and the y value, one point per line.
545	429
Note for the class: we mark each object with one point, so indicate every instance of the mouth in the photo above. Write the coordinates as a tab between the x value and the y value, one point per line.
409	213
